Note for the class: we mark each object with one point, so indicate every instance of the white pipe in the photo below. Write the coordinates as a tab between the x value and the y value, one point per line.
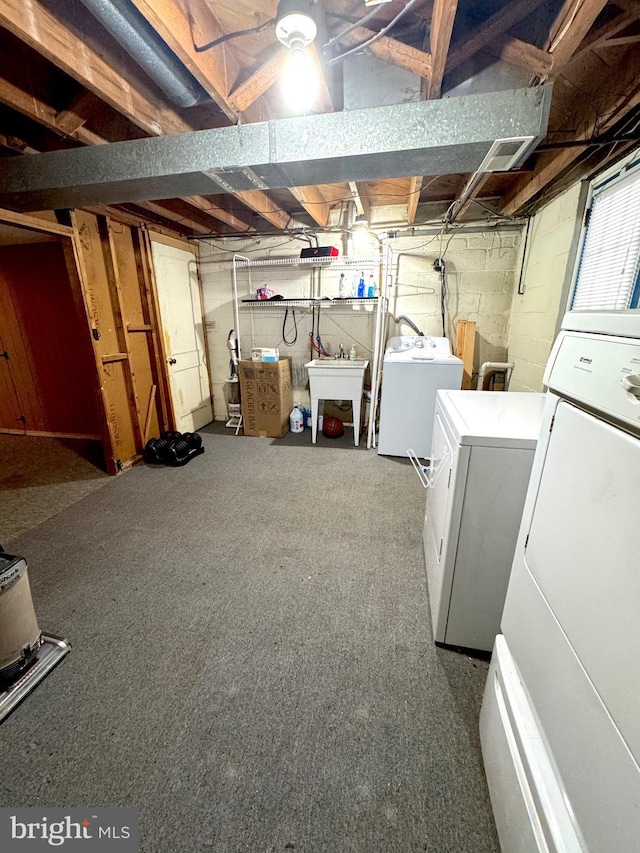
236	310
493	367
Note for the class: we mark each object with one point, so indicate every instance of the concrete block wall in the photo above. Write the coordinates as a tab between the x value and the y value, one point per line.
535	313
481	268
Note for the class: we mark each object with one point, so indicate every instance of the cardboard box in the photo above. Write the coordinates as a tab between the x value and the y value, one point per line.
266	395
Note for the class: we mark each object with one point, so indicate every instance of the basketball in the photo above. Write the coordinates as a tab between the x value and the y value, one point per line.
332	427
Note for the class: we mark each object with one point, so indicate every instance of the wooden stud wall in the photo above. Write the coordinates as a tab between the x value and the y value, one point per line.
123	327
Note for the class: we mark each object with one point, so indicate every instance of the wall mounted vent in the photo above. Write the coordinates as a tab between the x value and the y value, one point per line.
506	154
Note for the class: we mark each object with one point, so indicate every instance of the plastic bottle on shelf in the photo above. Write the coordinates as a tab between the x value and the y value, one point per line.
371	290
296	420
361	286
346	289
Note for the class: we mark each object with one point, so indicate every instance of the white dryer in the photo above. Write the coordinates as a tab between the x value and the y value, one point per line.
414	368
559	726
482	452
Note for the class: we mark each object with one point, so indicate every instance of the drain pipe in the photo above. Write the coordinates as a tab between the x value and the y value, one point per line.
490	367
135	35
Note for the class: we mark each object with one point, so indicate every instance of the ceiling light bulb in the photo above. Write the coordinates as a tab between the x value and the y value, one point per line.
361	221
300	81
294	23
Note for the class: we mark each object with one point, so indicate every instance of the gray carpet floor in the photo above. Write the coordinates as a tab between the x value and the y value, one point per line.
252	664
39	477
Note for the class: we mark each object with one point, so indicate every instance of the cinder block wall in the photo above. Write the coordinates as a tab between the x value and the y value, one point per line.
534	314
481	268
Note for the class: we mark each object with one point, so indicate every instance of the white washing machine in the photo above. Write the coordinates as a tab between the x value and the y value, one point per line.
481	457
414	368
560	725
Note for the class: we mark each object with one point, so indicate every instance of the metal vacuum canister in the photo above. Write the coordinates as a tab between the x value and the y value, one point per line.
20	636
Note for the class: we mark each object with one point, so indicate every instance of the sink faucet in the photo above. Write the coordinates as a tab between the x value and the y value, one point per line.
342	355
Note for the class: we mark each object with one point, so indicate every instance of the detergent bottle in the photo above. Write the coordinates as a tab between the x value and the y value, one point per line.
296	420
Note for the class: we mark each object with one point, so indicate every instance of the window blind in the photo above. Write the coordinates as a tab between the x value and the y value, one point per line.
609	265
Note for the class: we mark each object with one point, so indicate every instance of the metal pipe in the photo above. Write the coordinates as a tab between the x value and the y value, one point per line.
136	36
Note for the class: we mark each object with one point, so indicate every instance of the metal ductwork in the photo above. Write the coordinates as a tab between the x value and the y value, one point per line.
428	138
142	43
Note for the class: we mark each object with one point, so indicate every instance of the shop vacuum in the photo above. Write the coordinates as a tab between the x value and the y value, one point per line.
26	654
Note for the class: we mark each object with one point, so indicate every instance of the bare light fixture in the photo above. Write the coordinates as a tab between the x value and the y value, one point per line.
361	222
295	26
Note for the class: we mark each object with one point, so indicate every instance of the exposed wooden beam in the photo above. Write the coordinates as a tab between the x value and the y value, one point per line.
595	118
248	92
13	143
415	185
392	51
32	106
265	206
521	53
129	217
444	13
175	27
160	208
219	213
28	220
620	41
495	26
314	202
602	34
571	30
473	194
361	198
323	100
78	112
32	22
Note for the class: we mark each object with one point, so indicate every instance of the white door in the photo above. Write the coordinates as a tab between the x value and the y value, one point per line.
183	333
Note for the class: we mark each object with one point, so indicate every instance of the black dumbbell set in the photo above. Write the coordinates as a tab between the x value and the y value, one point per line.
173	448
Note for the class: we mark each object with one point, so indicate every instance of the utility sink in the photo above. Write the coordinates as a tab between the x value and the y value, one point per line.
340	363
336	379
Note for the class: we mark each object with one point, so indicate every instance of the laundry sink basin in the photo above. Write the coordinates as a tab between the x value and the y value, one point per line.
336	379
339	363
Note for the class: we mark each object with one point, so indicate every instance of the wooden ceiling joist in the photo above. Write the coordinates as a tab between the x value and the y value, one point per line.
444	13
415	185
260	81
219	213
593	119
390	50
522	54
162	209
314	202
78	112
361	198
32	22
572	29
494	27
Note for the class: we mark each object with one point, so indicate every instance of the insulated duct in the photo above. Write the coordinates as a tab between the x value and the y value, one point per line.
426	138
142	43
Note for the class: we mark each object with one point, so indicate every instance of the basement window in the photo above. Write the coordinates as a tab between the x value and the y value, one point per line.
608	271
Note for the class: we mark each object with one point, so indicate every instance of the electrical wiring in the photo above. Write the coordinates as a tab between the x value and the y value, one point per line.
359	23
377	36
228	36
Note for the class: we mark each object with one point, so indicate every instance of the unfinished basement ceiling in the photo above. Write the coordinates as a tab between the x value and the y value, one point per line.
66	82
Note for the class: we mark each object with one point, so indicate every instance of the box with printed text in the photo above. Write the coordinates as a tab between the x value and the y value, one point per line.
266	396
